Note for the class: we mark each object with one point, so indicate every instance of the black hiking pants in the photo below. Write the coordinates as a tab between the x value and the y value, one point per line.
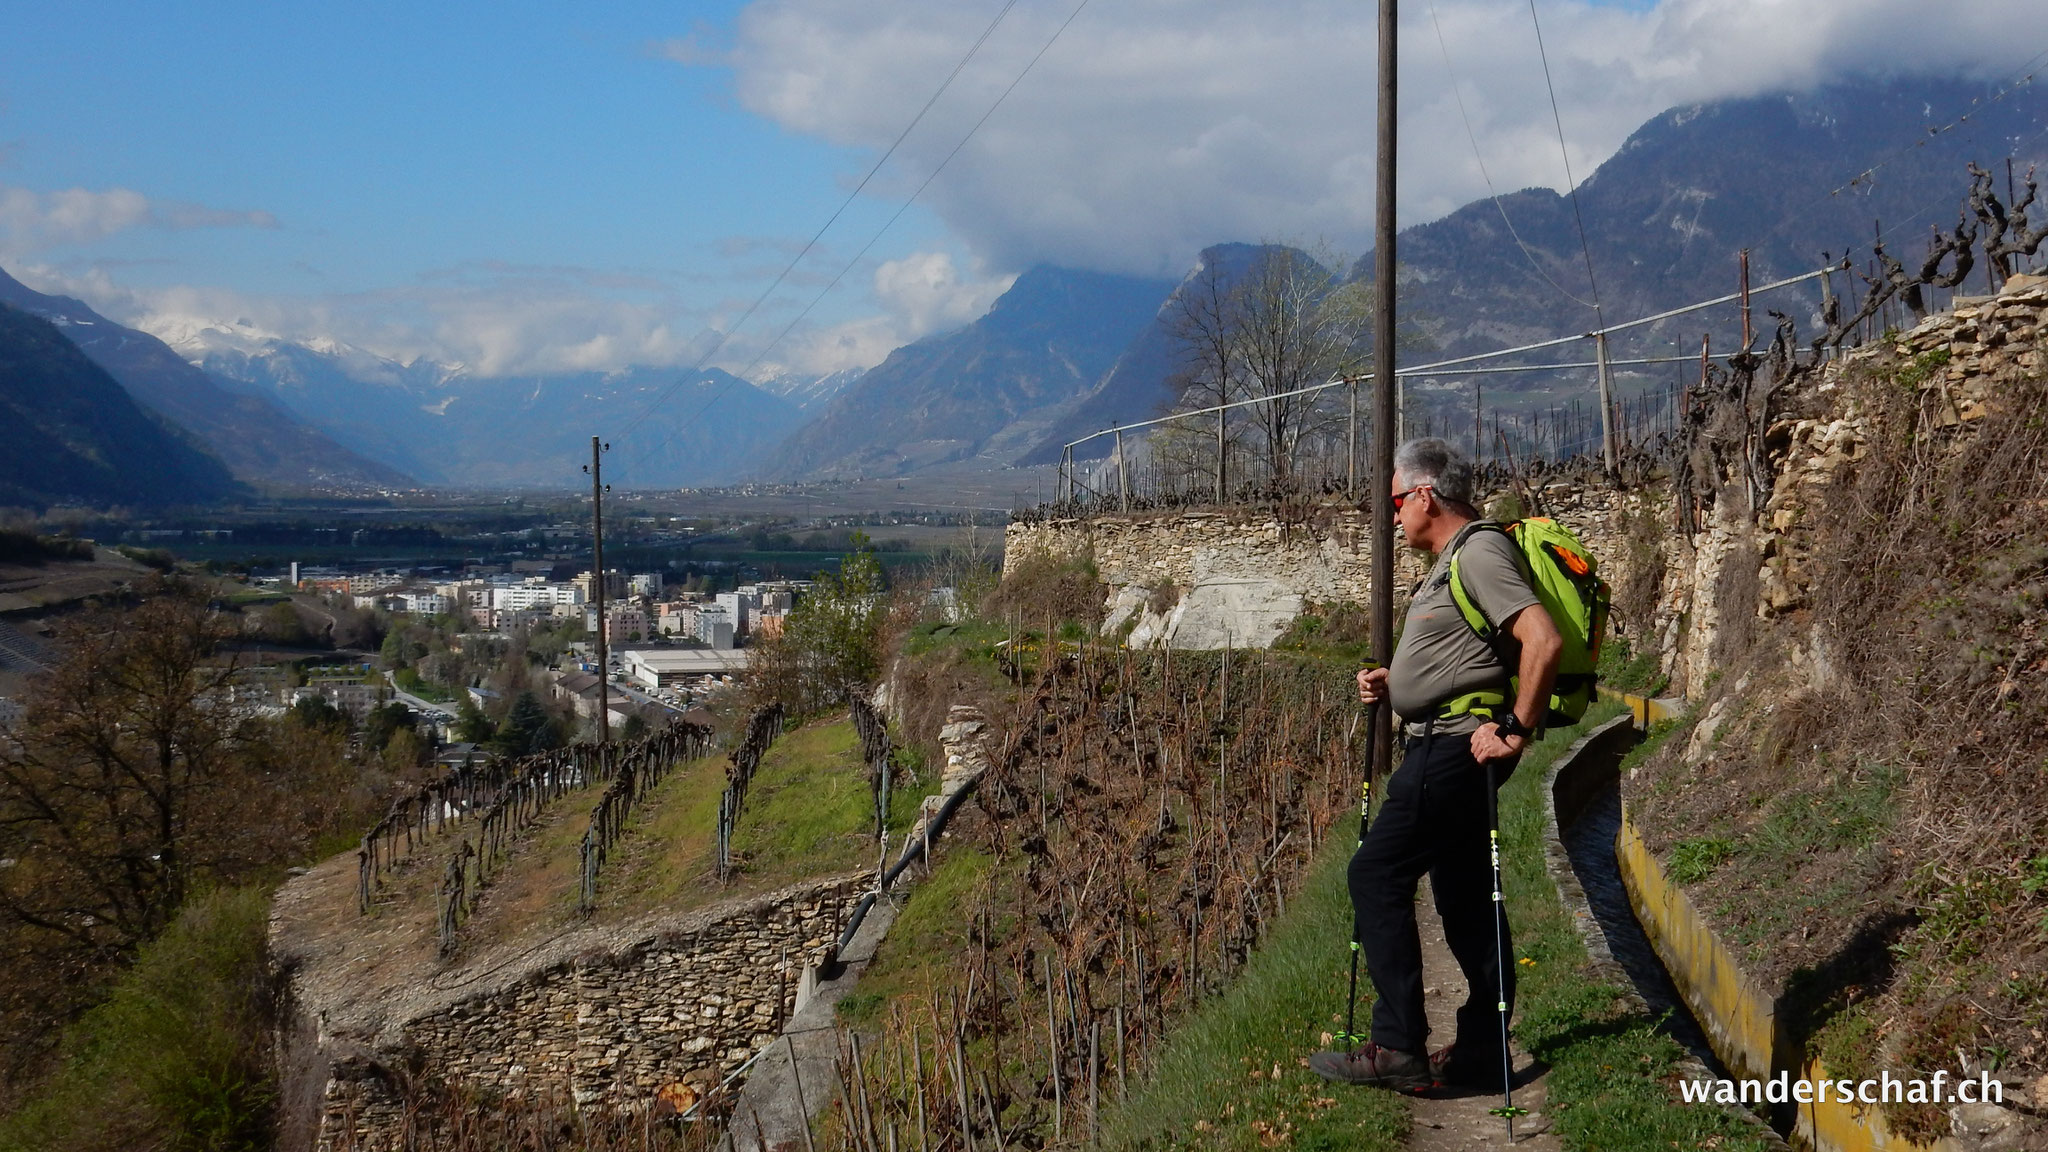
1434	821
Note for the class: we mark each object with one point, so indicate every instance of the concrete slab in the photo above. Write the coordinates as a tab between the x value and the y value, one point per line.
798	1075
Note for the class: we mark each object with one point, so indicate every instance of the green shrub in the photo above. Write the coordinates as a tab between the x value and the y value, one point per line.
178	1055
1694	860
155	558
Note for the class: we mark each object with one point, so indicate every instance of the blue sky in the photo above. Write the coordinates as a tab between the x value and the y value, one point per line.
390	145
531	187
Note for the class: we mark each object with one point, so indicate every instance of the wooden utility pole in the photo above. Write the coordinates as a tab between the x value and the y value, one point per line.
1478	424
1123	485
1606	404
1351	442
604	670
1747	334
1222	413
1383	384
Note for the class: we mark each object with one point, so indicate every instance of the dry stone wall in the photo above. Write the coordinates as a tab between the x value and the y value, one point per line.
610	1021
1240	576
1964	356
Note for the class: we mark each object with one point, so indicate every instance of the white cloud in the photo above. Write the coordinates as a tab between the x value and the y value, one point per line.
495	319
920	294
499	319
1154	127
32	221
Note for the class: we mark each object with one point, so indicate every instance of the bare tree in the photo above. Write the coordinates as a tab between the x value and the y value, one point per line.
1280	322
1298	327
133	775
1205	323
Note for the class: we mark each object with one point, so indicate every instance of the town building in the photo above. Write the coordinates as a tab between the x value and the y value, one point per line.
714	626
614	584
625	622
423	603
676	618
655	668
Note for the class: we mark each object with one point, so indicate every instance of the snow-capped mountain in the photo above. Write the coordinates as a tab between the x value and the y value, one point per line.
808	391
444	424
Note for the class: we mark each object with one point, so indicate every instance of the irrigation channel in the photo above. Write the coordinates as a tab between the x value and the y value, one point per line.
1589	843
1584	794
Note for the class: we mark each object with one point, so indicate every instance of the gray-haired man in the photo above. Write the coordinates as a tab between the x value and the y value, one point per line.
1451	689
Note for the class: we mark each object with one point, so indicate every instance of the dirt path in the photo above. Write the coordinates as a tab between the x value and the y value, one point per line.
1456	1118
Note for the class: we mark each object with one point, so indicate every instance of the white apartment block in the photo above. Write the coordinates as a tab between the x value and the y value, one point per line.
423	603
714	626
531	595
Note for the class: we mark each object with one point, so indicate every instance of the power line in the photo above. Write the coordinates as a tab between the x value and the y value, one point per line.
2024	76
1571	183
724	337
900	209
905	206
1458	94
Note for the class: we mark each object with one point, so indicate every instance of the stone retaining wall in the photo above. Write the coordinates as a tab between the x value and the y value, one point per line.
665	1011
1237	576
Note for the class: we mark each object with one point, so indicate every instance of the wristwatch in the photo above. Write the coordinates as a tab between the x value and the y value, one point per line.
1510	725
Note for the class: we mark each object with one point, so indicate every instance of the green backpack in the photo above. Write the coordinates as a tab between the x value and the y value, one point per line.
1567	580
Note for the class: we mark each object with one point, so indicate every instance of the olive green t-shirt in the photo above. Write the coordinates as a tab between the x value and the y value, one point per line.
1440	658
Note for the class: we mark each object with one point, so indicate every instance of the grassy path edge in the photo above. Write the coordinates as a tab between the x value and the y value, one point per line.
1230	1075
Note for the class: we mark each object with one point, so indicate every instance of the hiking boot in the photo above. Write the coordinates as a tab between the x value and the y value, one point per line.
1447	1070
1372	1064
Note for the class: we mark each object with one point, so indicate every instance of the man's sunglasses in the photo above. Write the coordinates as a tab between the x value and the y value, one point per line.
1401	497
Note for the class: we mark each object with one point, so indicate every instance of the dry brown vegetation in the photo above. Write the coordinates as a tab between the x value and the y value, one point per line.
1870	821
1146	817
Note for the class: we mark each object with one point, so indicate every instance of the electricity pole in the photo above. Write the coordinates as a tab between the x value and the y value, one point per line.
604	672
1383	387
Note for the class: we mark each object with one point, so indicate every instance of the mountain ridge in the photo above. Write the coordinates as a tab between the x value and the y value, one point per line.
70	432
987	390
258	440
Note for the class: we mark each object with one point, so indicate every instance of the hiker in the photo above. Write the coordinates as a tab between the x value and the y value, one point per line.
1450	688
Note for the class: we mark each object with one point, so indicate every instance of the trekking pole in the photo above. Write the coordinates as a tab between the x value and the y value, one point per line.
1507	1110
1372	718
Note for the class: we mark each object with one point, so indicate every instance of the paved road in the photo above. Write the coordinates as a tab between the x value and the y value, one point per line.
416	703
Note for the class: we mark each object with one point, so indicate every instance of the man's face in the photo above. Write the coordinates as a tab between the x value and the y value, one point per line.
1405	506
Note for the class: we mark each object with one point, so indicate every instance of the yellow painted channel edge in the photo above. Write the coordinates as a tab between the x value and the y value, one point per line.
1740	1018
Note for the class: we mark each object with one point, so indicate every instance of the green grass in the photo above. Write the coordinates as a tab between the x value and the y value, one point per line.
808	813
1203	1092
1696	859
928	934
974	636
1626	670
809	804
1611	1073
178	1055
411	681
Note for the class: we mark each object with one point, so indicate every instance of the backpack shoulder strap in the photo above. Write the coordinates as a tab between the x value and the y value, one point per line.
1467	608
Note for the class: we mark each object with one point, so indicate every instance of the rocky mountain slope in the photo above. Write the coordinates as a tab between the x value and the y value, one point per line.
69	433
258	440
1796	179
986	392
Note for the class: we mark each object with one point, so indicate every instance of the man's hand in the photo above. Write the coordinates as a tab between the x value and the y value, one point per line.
1372	685
1488	745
